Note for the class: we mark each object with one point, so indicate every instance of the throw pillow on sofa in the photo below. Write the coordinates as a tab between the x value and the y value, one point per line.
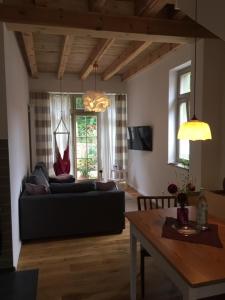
35	189
105	186
41	165
38	178
79	187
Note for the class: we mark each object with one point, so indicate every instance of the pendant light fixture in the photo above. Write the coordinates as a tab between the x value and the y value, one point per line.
94	100
194	129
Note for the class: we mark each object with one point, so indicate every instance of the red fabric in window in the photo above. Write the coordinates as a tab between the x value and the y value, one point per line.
62	165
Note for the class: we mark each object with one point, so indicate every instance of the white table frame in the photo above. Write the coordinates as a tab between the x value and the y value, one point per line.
188	292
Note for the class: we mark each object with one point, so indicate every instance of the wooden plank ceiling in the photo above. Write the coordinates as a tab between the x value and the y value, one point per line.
122	36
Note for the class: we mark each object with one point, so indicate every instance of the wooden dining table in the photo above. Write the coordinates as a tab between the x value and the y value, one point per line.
197	270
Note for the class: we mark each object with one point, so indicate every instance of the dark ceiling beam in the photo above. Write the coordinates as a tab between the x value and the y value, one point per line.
112	26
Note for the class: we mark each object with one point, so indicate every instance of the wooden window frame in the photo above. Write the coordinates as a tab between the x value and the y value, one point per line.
181	98
80	112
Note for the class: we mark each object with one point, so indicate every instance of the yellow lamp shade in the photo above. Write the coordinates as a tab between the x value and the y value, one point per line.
194	130
96	101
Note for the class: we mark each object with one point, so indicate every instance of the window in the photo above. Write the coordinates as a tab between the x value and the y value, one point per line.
85	141
182	114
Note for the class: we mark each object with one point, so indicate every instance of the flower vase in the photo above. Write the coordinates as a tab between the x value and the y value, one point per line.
182	211
182	216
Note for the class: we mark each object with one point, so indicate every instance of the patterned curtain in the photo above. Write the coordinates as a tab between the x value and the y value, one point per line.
121	132
42	123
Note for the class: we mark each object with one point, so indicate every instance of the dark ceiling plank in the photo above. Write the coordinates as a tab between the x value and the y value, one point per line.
126	57
95	56
91	22
149	59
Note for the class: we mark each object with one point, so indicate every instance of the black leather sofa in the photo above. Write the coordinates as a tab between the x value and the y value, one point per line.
71	209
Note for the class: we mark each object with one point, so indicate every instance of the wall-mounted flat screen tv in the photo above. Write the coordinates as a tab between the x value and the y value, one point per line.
140	138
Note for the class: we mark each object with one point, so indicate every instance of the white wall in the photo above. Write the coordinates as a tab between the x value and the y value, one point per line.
48	82
211	16
17	92
213	154
149	172
148	105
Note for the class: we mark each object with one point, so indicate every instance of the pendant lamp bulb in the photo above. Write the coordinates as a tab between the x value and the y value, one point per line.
194	129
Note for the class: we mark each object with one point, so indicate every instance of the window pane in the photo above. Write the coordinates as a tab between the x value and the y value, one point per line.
86	147
92	150
185	83
79	103
184	150
91	126
92	167
81	126
184	146
183	113
92	140
81	148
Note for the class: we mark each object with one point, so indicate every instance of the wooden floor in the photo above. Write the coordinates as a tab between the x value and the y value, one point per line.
92	268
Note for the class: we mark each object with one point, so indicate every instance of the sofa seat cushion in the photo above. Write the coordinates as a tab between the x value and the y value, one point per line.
79	187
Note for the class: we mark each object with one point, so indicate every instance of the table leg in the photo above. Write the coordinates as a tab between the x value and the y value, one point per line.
133	265
189	296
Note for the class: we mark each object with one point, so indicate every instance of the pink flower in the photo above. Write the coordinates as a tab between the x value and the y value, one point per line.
172	188
190	187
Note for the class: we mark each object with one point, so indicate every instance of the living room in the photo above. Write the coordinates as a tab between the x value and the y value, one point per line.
148	95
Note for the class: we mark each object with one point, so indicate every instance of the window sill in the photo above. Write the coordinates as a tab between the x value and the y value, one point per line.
179	165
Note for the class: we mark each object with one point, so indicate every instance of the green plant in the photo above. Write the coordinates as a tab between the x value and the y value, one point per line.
85	166
82	167
184	162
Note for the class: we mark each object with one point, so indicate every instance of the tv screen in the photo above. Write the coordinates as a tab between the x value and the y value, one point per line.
140	138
